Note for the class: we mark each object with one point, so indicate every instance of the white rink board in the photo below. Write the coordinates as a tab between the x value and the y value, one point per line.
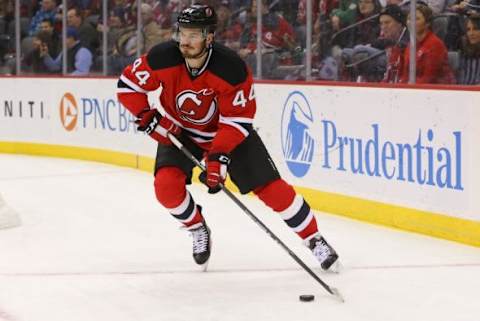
444	121
92	117
92	114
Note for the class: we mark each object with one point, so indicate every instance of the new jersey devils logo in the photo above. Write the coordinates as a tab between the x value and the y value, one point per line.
197	107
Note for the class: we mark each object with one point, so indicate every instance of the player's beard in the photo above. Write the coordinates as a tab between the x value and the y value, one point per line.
193	55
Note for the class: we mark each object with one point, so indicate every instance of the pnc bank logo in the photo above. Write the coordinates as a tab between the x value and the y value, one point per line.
68	111
298	144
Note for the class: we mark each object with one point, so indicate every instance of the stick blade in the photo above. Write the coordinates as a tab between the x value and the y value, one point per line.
336	293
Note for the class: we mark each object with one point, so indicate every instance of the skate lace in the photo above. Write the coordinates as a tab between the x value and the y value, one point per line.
321	250
200	239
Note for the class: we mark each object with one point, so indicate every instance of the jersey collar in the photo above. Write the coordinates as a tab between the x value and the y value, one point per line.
195	72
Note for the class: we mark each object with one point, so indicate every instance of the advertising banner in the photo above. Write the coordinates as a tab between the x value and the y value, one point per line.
409	147
73	112
401	157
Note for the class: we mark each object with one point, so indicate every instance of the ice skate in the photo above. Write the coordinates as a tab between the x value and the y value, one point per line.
201	243
324	253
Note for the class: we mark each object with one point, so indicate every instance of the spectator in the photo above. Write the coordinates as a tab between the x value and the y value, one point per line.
6	37
88	35
126	6
301	20
431	54
362	37
437	6
176	6
344	15
455	29
33	61
51	38
466	7
6	13
322	31
286	8
469	67
369	30
48	10
116	26
228	32
79	58
277	33
152	33
394	39
278	40
162	10
86	7
125	50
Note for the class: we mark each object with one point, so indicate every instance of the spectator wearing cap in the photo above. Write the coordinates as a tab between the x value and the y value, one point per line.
379	59
79	58
431	53
469	65
394	39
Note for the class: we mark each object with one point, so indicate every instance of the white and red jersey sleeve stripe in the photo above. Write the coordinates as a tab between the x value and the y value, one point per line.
134	84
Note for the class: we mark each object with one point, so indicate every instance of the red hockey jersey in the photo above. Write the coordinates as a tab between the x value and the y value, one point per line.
215	108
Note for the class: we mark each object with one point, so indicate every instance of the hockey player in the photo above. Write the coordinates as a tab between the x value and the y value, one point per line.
209	104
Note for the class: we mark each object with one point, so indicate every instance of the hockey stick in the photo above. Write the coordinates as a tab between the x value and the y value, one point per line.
333	291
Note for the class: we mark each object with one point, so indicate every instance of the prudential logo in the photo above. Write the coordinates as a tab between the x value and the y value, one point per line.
297	142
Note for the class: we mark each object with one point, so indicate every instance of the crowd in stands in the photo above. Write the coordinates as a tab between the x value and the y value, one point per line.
352	40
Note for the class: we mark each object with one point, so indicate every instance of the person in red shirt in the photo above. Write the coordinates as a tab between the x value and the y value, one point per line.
229	29
278	40
277	33
431	55
208	102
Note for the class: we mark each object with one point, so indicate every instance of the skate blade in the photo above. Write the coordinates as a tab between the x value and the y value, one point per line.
204	266
335	268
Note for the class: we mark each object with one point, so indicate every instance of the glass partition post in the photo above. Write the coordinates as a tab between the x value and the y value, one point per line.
18	53
64	38
139	28
259	38
105	43
412	67
308	46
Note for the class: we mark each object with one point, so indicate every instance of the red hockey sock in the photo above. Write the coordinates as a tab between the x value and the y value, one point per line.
293	209
171	192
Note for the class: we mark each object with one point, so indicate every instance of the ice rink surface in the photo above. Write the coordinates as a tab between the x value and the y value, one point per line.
96	246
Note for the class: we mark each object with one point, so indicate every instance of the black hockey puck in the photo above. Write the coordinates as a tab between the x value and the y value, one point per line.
306	297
